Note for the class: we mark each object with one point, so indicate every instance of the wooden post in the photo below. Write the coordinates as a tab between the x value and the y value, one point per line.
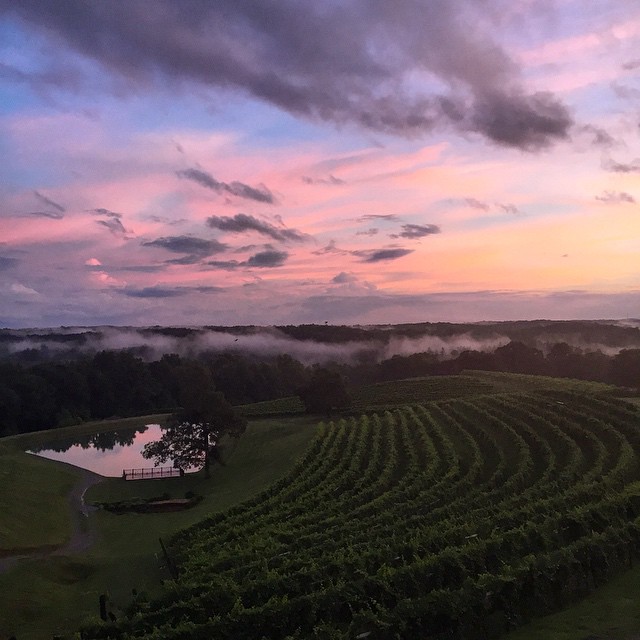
173	570
103	607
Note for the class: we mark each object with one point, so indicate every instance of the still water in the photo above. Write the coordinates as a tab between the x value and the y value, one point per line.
106	453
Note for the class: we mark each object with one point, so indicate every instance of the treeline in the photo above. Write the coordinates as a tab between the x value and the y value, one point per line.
119	383
562	361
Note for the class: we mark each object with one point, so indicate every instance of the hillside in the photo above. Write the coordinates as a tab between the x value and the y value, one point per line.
450	518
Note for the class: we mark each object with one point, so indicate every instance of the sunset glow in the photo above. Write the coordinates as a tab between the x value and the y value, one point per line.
348	163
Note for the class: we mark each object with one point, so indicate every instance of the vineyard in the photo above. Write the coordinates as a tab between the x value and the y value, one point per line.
397	393
458	518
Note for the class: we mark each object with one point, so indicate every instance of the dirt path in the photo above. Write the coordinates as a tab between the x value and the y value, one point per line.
81	537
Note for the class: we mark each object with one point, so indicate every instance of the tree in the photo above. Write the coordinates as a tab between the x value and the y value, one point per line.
325	392
625	368
193	436
517	357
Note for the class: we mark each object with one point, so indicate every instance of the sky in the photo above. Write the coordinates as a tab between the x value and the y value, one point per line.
265	162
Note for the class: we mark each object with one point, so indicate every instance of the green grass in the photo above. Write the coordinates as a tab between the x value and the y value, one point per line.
279	406
33	503
611	613
42	597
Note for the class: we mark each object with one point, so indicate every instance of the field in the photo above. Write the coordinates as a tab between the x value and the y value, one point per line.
455	507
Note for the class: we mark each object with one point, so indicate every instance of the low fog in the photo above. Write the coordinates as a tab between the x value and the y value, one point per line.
264	342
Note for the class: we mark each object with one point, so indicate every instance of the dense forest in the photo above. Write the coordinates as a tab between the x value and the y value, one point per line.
42	388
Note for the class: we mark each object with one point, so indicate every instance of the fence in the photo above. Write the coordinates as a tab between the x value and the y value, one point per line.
151	472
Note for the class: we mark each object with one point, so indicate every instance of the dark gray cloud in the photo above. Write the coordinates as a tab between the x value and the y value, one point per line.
165	292
616	197
331	180
598	136
114	225
185	260
625	92
368	232
7	263
344	278
140	268
268	259
241	223
49	202
347	62
631	65
207	289
375	216
112	221
330	248
474	203
413	231
52	77
152	292
55	212
53	215
621	167
238	189
165	220
262	260
226	265
508	208
382	255
530	123
196	249
477	204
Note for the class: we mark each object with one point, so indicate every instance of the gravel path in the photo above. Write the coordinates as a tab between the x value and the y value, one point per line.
81	537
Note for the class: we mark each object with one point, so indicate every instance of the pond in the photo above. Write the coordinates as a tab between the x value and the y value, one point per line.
106	453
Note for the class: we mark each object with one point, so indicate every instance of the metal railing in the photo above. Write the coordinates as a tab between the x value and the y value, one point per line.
151	472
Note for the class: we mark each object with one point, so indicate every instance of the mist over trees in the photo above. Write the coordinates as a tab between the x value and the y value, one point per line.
65	390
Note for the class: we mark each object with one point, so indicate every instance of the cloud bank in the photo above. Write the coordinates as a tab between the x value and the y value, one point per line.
401	68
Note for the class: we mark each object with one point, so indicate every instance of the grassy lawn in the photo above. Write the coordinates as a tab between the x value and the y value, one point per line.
33	503
45	596
33	491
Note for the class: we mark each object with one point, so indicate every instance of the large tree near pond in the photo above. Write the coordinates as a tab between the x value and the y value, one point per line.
193	436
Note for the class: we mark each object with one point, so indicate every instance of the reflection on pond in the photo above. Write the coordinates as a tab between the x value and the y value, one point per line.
106	453
103	441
